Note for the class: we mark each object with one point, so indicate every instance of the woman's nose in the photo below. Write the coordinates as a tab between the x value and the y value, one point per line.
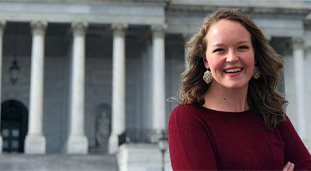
232	56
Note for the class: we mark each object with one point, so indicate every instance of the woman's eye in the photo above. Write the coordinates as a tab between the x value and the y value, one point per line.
218	50
243	47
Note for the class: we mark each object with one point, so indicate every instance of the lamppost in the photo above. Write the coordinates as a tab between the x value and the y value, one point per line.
14	70
163	143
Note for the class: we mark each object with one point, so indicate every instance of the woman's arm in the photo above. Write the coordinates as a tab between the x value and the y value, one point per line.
295	150
190	146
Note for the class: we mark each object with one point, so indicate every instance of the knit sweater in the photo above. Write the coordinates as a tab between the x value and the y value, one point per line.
205	139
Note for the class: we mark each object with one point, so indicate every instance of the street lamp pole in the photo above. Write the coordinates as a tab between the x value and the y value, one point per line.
163	146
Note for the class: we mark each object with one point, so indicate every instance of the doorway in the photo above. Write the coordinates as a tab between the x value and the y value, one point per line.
14	126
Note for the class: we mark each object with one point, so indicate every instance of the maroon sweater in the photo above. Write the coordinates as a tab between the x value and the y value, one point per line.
204	139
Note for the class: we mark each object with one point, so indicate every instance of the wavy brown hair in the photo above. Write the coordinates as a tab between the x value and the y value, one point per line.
262	97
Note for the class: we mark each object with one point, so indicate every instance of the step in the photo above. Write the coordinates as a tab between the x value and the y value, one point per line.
58	162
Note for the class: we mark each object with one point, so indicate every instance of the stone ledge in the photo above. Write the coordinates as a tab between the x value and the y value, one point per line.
253	9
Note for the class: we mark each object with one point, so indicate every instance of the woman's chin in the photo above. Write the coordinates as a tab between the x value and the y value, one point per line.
235	85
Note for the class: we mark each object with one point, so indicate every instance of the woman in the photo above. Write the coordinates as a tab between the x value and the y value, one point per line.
231	116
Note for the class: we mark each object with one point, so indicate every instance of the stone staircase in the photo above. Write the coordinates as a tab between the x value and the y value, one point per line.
58	162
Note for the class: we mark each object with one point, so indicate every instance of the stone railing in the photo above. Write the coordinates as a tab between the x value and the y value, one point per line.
143	135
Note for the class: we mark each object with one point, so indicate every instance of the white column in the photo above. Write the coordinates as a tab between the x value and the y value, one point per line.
77	142
186	39
298	54
2	26
118	86
307	138
35	141
158	78
307	55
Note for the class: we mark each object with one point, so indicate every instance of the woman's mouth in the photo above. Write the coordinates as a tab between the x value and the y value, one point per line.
233	70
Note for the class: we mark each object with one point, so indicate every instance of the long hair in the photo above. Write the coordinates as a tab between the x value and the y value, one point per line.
262	97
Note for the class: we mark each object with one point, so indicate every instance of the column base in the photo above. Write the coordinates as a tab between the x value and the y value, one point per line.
156	135
35	144
142	157
113	145
77	144
1	144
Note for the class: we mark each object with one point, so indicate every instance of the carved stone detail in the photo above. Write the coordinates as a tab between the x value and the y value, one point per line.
79	28
38	27
159	27
119	26
103	127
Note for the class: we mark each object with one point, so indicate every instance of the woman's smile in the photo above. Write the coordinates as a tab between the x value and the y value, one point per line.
233	71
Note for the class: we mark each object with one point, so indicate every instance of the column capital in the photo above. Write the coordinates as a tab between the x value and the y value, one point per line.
79	28
119	26
158	27
38	27
158	30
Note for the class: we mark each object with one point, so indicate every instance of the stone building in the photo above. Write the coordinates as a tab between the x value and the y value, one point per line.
79	76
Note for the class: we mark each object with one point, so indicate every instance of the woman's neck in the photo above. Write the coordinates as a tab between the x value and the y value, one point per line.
226	99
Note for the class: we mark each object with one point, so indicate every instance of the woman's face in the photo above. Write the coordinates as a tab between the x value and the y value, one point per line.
229	54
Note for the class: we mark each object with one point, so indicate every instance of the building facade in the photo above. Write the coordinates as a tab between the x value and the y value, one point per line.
95	76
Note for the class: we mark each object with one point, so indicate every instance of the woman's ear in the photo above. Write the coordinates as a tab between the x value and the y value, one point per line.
205	62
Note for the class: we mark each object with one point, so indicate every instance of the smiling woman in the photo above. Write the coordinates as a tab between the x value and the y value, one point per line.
231	116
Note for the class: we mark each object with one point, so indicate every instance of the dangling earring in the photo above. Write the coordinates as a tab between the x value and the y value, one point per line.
207	77
256	73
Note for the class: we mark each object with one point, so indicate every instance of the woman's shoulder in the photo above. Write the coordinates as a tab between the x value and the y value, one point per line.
185	108
188	115
185	112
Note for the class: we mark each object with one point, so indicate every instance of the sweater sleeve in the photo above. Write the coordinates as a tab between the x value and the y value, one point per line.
190	145
295	150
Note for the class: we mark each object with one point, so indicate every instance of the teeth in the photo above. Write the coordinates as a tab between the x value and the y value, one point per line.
233	70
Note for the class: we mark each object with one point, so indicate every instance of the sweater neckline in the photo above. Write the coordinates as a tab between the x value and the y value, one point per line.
226	113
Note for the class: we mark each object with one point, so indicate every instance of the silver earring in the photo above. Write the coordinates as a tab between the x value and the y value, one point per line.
207	77
256	73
